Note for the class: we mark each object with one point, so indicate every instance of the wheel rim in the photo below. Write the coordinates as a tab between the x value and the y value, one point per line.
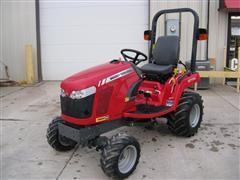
194	115
127	159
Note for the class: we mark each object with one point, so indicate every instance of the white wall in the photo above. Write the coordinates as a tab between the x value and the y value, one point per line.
17	28
217	28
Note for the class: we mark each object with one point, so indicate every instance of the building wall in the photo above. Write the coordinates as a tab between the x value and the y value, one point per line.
217	33
217	27
17	28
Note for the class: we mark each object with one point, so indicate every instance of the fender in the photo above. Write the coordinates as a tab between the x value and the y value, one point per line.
187	81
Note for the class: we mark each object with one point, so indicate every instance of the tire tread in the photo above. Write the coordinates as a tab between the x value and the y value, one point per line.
178	121
53	139
111	153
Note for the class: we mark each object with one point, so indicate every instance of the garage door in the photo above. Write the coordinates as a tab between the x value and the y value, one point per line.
77	35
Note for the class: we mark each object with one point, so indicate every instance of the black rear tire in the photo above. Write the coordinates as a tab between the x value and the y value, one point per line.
57	142
187	118
112	155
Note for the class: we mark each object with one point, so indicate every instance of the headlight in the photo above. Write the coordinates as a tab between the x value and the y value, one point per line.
63	93
83	93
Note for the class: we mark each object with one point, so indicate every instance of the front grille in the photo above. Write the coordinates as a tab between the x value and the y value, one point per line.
103	101
78	108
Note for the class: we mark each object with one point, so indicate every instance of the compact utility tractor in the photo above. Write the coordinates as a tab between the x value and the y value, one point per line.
119	93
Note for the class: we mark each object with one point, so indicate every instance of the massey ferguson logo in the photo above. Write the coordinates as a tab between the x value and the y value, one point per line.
115	76
191	80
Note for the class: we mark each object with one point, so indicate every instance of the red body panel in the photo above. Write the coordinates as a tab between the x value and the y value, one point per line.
168	91
116	91
95	77
92	76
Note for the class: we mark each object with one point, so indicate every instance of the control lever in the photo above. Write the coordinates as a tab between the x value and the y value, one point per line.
147	94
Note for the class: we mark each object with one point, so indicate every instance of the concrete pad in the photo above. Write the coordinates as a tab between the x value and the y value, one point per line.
211	154
8	90
26	154
32	103
25	115
217	109
227	93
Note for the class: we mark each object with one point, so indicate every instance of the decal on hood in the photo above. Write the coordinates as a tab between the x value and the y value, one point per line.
115	76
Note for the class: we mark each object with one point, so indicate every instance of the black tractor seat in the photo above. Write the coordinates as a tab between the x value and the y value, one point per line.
164	57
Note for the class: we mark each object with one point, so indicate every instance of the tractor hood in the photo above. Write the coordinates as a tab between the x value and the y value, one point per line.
95	76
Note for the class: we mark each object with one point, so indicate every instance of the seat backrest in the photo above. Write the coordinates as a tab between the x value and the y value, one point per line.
166	51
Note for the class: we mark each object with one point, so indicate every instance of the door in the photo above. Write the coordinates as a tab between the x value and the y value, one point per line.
78	35
233	41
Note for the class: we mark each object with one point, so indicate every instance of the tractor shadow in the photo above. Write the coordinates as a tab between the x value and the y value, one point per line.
146	130
159	126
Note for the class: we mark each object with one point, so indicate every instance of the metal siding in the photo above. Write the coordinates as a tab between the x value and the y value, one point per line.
186	22
217	33
217	27
18	28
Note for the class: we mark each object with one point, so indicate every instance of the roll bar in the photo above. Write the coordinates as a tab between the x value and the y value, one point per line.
195	31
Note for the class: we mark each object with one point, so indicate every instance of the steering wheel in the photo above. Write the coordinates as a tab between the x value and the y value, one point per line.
136	60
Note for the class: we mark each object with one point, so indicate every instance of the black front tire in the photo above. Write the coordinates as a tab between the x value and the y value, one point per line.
181	122
112	156
57	142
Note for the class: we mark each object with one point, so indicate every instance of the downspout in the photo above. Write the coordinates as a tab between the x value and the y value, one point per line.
208	14
149	26
39	60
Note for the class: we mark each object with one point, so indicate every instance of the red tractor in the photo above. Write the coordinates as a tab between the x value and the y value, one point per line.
119	93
